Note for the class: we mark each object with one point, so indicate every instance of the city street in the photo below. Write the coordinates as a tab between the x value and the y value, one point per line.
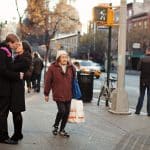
93	36
101	130
131	85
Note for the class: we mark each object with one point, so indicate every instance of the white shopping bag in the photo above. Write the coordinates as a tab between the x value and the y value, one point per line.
76	112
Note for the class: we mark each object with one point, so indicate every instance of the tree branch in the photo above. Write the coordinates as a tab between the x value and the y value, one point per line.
20	16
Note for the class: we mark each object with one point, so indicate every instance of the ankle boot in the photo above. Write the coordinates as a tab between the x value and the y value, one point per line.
64	133
55	130
17	136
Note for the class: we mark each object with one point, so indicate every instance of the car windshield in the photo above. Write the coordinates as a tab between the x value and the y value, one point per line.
85	63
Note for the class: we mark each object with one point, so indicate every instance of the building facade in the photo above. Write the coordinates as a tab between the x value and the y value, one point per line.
68	42
138	31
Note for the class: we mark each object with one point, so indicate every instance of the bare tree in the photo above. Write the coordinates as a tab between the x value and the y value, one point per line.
41	21
20	18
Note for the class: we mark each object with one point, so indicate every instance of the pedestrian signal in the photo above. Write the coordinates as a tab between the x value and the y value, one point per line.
110	15
103	15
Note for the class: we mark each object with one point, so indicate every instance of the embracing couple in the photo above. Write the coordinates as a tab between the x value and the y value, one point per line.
12	96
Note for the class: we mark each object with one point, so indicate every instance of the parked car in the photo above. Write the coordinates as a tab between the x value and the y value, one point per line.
88	66
102	68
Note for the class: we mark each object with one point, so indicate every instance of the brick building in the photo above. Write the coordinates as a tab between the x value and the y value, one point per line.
138	31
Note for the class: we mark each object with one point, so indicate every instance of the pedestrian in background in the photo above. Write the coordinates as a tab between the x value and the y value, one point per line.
59	78
22	62
37	71
6	76
144	67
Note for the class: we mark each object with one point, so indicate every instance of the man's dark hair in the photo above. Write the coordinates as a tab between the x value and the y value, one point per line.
12	38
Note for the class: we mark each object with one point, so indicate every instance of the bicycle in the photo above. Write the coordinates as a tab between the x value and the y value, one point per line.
107	90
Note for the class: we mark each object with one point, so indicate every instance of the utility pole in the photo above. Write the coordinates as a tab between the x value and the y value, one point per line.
120	98
108	56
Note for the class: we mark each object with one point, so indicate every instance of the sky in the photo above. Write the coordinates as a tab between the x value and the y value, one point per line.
8	9
85	9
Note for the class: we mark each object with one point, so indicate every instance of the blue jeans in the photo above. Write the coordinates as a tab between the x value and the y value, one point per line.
141	98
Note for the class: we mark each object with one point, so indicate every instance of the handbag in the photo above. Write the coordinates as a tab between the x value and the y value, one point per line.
76	114
76	92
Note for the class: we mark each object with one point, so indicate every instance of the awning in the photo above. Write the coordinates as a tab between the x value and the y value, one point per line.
137	55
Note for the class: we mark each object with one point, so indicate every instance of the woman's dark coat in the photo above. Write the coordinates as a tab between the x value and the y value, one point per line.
21	64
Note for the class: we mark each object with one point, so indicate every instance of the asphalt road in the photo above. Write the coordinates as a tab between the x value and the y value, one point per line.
131	86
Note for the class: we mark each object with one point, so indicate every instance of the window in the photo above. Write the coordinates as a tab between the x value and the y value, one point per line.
134	24
129	26
129	12
145	25
140	23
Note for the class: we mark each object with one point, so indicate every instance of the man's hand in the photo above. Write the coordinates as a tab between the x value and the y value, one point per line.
46	98
21	75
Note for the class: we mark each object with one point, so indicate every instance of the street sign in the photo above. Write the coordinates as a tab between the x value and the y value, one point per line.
136	45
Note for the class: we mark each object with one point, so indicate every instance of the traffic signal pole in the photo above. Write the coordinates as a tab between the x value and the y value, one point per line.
108	58
109	51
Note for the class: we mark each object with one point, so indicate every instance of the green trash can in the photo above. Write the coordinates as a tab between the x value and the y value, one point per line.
86	86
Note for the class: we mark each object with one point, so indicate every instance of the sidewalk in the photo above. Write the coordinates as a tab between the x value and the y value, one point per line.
101	131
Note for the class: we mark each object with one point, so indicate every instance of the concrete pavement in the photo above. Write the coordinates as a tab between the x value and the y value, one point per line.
101	130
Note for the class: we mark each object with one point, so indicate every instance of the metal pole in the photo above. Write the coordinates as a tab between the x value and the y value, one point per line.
120	98
109	52
108	55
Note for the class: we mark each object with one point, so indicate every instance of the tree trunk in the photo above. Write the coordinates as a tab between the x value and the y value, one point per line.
46	56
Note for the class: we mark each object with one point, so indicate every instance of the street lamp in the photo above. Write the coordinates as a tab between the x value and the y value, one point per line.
119	97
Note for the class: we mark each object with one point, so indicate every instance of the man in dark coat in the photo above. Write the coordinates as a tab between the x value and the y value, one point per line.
144	67
6	76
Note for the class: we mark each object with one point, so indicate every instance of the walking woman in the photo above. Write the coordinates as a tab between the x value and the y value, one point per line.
59	78
22	62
